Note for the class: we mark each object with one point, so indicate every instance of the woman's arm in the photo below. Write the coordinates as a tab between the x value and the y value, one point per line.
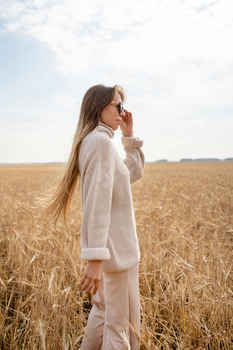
96	207
135	159
97	188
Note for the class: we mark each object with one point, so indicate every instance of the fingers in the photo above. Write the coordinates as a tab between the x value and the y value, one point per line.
89	284
127	116
83	278
87	287
86	284
91	276
127	113
96	287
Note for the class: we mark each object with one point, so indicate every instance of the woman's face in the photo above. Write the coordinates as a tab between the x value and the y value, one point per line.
110	114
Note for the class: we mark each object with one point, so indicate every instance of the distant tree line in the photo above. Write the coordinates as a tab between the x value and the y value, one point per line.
206	160
198	160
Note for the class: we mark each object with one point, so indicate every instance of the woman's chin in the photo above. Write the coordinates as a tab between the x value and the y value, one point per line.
118	124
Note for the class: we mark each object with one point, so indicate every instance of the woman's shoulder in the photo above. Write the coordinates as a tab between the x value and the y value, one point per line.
97	141
95	148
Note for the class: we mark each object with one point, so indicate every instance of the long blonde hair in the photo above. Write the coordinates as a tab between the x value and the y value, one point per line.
94	101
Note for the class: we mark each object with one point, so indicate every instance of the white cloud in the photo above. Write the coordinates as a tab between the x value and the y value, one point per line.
186	43
137	36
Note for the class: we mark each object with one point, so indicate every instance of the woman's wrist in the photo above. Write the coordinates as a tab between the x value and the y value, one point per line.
130	134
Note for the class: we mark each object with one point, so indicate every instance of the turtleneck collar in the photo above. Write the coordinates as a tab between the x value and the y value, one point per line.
105	128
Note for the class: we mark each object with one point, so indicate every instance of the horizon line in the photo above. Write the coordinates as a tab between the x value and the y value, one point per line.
153	161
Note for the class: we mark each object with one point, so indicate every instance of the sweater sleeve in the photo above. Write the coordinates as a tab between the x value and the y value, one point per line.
97	190
135	159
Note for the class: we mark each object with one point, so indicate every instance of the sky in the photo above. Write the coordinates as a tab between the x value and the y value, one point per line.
174	58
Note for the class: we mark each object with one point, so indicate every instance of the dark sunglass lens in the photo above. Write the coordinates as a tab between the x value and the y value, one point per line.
121	108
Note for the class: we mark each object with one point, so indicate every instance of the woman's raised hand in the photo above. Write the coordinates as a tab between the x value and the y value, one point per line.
92	276
127	124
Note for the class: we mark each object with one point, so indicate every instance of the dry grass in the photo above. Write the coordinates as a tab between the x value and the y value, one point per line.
184	214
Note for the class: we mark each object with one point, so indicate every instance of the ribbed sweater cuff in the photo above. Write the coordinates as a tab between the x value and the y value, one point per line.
131	142
95	254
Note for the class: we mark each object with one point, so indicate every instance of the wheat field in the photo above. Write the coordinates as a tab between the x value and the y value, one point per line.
184	215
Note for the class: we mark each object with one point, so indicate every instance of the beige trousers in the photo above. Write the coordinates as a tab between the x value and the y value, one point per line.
115	315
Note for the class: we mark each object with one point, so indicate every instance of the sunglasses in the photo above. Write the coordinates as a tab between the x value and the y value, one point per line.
119	105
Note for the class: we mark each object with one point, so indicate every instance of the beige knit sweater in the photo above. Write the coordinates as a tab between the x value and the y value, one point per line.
108	224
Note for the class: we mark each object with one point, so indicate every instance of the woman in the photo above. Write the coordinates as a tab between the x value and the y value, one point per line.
108	234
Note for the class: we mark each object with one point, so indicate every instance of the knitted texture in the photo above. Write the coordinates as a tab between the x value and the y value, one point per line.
108	230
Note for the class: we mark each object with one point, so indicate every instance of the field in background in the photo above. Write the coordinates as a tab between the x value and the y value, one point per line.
184	215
